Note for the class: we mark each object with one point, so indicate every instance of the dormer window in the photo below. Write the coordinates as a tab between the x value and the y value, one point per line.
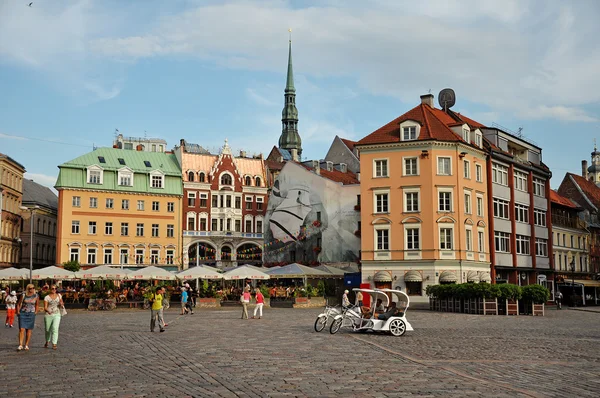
157	179
94	175
478	139
257	181
409	133
329	166
226	179
201	177
248	181
465	135
125	176
191	176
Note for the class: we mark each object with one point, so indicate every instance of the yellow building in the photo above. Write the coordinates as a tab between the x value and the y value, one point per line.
424	201
11	195
120	207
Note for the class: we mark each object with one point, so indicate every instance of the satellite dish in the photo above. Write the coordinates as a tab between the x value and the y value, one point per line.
446	98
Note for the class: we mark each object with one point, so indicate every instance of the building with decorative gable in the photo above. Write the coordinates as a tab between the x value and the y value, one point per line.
225	199
120	207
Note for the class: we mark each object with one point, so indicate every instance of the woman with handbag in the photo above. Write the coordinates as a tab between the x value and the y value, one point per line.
54	307
26	309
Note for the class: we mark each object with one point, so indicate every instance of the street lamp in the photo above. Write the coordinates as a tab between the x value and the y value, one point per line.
573	283
31	210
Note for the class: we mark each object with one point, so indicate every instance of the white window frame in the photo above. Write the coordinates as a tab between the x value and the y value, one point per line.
123	251
521	181
154	256
155	205
478	138
466	134
441	166
108	228
125	228
539	187
139	229
124	204
110	203
76	201
468	202
190	215
480	205
521	213
75	227
478	173
444	227
523	245
95	171
541	247
502	242
405	168
139	255
409	133
141	205
467	169
74	253
481	240
410	192
170	230
378	228
499	174
376	193
92	227
155	230
411	227
157	181
170	257
469	238
107	251
445	191
92	255
170	207
501	209
384	163
125	175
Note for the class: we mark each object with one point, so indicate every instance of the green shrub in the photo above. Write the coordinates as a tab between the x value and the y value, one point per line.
509	291
536	294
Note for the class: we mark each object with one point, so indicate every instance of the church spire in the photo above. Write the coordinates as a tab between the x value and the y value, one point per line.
290	139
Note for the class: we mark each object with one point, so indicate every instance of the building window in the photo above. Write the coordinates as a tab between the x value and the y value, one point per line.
249	226
541	247
238	225
257	181
469	239
480	206
157	181
444	201
520	181
203	200
523	244
381	203
248	202
139	256
499	174
110	203
76	201
139	229
170	256
467	203
91	255
191	199
411	200
155	206
74	254
539	217
125	179
203	224
226	179
539	187
238	202
444	166
381	168
94	177
446	238
108	256
170	207
191	222
140	205
521	213
478	139
412	239
124	229
383	239
411	166
214	225
75	227
201	177
228	201
92	228
466	169
108	228
215	201
465	135
501	208
154	256
502	242
93	203
124	256
191	176
125	204
259	227
481	241
478	173
170	230
155	230
409	133
259	203
248	181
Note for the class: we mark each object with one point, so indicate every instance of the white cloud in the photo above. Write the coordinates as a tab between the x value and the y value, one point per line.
259	99
42	179
564	113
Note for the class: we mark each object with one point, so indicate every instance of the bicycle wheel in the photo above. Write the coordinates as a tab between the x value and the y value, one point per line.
335	326
320	323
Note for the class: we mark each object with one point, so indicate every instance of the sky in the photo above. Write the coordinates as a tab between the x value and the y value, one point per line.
71	72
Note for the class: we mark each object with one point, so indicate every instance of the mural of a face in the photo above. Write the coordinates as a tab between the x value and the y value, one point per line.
288	216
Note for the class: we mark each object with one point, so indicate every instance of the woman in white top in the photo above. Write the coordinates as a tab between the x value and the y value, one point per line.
52	304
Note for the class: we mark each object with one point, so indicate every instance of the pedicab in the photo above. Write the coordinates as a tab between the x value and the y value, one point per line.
327	315
393	320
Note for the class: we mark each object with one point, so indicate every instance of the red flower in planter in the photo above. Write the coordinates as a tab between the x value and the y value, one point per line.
316	223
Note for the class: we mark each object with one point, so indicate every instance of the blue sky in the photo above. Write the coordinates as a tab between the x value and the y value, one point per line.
73	71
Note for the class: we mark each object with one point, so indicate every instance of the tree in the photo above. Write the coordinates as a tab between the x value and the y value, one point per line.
72	266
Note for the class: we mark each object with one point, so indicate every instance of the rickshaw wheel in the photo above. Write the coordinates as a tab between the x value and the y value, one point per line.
320	323
335	326
397	327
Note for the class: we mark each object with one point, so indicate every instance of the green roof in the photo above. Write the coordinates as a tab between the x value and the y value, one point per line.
73	173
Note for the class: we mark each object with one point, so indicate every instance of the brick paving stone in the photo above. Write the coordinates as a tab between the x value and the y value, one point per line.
215	354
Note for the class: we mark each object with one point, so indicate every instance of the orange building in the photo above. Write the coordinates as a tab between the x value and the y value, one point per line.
424	201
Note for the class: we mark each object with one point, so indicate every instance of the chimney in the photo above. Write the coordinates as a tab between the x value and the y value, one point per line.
316	166
294	154
242	154
584	169
139	148
427	99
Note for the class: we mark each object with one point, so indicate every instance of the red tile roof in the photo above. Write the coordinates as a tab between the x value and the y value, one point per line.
274	165
434	126
555	197
348	143
589	188
346	178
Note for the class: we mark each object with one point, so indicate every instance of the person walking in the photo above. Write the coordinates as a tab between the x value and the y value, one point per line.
27	308
260	302
52	304
245	299
190	303
156	310
558	296
184	300
11	305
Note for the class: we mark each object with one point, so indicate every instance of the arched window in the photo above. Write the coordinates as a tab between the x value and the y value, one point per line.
201	177
38	225
257	181
226	179
44	227
248	181
191	176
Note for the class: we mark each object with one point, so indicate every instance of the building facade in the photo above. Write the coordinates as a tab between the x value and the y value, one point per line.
225	199
313	216
11	195
424	210
120	207
140	144
45	220
342	151
519	201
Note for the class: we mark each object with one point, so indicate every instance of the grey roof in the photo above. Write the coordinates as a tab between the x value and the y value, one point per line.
285	153
35	193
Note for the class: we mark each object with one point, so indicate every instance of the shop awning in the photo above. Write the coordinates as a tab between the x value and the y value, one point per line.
585	282
413	276
382	276
485	277
473	276
448	277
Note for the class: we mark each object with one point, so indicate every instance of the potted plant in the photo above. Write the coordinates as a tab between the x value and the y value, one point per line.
509	296
317	249
535	297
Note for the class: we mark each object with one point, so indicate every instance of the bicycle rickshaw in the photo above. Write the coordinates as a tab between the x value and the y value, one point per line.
396	324
324	317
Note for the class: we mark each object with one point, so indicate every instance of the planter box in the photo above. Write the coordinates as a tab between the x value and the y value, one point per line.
305	302
490	306
208	302
431	304
473	306
537	309
466	306
457	305
444	305
512	307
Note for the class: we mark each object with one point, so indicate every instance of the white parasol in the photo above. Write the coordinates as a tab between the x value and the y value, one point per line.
199	272
245	272
53	272
152	272
14	274
103	272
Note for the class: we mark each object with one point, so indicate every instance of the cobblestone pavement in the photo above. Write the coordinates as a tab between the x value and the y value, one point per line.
214	353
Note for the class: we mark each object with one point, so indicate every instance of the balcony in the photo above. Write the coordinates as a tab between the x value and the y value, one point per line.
567	222
222	234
